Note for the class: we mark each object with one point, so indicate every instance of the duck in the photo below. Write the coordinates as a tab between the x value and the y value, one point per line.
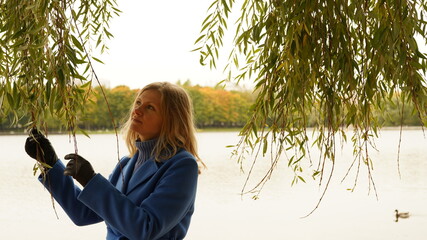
401	215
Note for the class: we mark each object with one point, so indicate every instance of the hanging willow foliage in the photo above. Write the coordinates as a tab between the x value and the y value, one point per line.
46	54
338	58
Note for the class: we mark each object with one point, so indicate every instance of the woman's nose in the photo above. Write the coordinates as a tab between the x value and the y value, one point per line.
137	110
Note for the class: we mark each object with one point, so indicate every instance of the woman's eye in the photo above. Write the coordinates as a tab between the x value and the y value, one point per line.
150	107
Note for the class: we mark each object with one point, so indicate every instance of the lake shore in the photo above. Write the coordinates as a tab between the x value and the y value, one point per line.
91	132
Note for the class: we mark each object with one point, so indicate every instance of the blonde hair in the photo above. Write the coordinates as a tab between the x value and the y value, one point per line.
177	130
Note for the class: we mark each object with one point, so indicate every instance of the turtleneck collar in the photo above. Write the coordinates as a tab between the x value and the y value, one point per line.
145	150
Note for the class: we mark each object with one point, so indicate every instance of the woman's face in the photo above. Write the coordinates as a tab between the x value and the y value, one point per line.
146	115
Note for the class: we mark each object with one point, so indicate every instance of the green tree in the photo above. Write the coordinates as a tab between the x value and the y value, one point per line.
200	106
97	116
340	59
216	107
397	115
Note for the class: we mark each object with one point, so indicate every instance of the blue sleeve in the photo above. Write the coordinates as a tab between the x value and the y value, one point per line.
65	192
161	211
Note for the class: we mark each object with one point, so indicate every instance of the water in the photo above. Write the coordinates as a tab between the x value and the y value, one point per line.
221	212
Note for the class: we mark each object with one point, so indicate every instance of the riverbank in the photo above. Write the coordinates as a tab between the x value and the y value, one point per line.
92	132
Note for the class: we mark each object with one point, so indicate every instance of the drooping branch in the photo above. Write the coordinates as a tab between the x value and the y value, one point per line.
338	59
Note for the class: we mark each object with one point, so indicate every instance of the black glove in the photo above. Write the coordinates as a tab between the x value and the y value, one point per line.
39	148
79	168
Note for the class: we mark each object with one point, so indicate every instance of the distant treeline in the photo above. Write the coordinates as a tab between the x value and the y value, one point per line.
214	107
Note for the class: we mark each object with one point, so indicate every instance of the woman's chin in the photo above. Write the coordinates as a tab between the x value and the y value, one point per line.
135	126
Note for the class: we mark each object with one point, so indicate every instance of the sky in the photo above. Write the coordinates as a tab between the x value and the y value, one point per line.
153	42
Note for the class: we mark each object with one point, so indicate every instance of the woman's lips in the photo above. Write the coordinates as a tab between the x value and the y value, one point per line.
136	120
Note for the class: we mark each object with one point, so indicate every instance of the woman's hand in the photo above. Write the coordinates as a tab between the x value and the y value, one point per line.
38	147
79	168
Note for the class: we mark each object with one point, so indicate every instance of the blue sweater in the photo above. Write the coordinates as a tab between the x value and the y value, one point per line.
154	202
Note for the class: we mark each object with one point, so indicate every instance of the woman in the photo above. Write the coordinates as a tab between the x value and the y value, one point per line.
149	195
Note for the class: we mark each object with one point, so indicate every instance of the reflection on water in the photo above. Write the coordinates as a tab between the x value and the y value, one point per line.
222	213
